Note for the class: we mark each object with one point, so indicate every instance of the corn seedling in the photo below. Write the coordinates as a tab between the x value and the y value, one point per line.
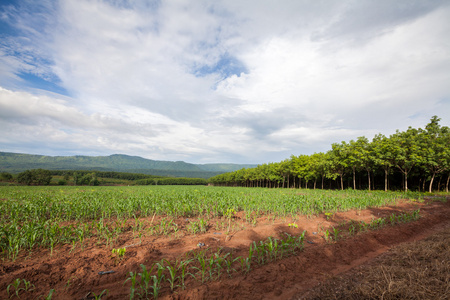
99	297
329	215
327	236
229	215
362	226
336	234
272	248
203	225
245	264
183	267
50	294
173	269
16	285
351	229
132	278
229	263
120	252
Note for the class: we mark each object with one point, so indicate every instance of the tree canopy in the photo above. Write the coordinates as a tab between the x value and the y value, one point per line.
419	156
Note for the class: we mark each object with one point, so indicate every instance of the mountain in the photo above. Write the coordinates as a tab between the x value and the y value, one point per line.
18	162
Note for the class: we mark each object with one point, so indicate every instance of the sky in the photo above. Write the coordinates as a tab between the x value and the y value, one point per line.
226	81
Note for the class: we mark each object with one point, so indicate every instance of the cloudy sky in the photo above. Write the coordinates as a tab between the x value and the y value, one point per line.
217	81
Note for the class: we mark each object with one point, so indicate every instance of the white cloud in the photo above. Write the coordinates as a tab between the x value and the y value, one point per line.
313	73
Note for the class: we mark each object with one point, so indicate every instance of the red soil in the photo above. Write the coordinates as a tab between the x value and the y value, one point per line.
74	275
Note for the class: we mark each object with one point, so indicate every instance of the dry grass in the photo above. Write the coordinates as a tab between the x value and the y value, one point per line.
418	270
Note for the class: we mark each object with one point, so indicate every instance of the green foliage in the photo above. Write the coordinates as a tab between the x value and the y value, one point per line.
5	176
398	155
37	177
172	181
88	179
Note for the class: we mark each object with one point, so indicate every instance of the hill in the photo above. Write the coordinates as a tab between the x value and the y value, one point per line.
18	162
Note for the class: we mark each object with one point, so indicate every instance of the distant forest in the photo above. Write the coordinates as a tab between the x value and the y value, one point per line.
92	178
417	159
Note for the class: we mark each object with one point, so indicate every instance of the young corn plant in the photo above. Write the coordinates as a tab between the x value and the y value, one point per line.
327	236
50	294
193	227
132	278
173	269
202	225
229	215
229	263
272	248
99	297
336	233
351	229
203	268
157	279
245	264
183	267
16	284
362	226
118	253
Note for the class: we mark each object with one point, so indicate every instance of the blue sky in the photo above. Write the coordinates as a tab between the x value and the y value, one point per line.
217	81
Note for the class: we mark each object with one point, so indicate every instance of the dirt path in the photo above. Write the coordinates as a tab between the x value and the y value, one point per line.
74	274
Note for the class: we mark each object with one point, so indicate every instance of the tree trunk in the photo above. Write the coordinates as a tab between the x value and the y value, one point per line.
322	180
406	181
431	182
315	183
354	180
373	182
368	176
342	183
386	180
446	186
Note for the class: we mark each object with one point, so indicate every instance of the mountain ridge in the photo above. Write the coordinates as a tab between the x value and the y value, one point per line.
18	162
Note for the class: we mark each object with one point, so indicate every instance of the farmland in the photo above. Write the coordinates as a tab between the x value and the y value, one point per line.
164	240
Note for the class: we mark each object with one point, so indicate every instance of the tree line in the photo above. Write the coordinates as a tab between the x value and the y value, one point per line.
420	156
93	178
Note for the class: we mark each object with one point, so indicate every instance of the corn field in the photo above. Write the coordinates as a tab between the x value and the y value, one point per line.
47	216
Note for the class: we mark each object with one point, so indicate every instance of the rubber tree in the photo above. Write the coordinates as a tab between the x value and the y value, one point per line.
364	154
339	160
407	151
383	156
353	158
435	145
322	165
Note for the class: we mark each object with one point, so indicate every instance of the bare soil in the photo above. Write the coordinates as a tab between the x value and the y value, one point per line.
75	274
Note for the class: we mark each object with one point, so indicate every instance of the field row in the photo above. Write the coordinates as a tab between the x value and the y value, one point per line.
207	264
47	216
